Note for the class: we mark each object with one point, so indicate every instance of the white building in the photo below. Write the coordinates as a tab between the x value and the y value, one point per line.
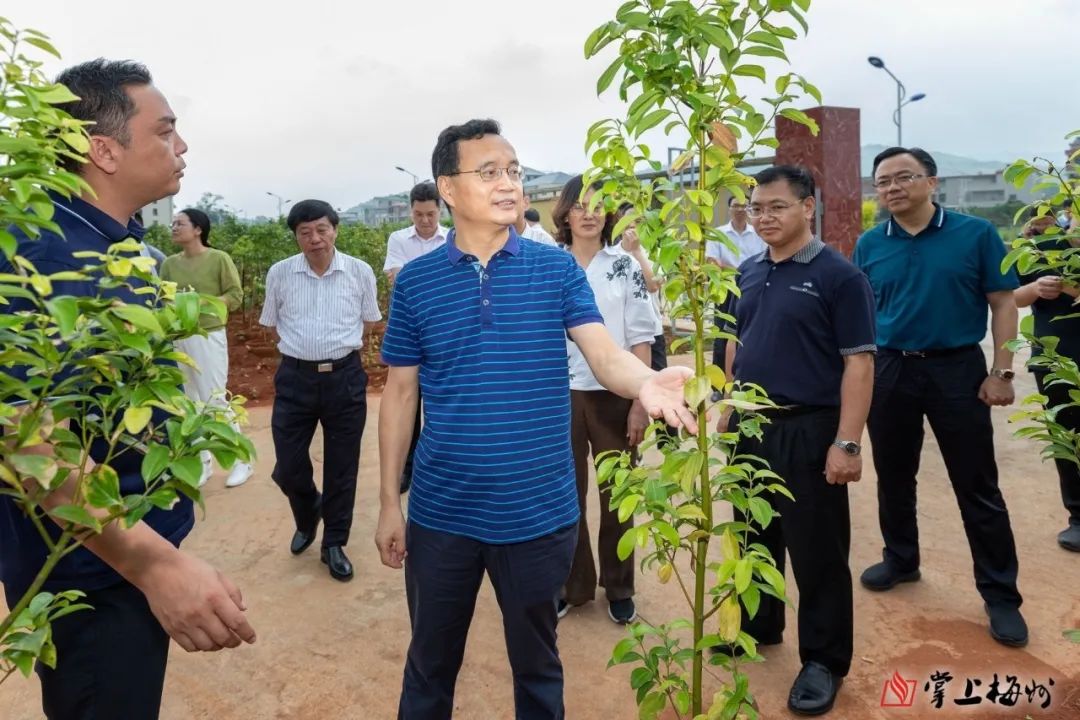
158	213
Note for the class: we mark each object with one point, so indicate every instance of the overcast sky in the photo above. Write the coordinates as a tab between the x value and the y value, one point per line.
323	99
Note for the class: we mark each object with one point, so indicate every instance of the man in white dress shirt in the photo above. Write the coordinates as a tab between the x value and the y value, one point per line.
534	230
420	238
425	235
322	303
747	244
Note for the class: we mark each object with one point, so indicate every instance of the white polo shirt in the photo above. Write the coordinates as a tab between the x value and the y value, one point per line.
405	245
623	300
320	318
539	234
748	243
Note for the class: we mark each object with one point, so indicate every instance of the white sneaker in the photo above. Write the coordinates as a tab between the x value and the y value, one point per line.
241	471
207	467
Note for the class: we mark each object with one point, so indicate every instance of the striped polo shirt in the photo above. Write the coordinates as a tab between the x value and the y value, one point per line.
494	460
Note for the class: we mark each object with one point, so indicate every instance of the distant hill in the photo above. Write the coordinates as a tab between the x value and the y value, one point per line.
948	164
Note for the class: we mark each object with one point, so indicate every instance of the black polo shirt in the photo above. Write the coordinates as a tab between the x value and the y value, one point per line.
1057	317
797	319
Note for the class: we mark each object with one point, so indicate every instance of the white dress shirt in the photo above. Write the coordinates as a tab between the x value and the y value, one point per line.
623	300
539	234
405	245
320	318
748	243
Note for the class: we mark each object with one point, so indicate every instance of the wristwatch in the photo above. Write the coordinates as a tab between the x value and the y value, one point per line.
1003	374
849	446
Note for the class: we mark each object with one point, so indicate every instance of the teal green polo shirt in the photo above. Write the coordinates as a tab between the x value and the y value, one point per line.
930	288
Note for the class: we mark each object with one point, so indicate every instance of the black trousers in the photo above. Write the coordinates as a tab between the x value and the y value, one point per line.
442	577
1068	472
944	390
110	660
815	530
338	400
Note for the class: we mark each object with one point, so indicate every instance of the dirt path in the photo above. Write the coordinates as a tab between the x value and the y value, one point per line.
328	651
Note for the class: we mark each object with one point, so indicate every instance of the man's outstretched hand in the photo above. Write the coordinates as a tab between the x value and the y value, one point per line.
662	396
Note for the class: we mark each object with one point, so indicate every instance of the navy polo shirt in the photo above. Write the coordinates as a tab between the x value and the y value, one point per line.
1057	317
797	319
493	462
22	552
931	288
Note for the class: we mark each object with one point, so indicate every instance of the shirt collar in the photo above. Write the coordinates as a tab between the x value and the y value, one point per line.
730	227
440	232
936	222
78	210
455	256
804	256
303	266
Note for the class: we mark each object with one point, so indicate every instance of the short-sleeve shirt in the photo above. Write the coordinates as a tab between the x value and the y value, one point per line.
623	300
797	319
22	552
1051	316
747	244
493	462
320	317
406	244
930	289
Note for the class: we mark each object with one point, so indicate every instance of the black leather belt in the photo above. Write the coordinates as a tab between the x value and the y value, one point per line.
933	352
323	366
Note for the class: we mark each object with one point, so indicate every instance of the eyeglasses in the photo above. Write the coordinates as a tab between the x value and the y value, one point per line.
490	174
774	210
901	180
579	208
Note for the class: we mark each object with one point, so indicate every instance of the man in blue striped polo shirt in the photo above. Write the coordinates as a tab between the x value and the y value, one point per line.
481	327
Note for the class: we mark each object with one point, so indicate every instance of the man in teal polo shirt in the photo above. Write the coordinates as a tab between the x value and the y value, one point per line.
934	273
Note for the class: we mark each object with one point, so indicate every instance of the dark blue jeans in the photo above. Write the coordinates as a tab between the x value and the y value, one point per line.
442	577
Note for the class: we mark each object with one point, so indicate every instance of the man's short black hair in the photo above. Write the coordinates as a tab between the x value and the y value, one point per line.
310	211
532	215
424	192
797	177
444	159
921	156
103	100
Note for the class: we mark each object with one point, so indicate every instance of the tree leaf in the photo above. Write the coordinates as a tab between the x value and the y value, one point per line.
137	418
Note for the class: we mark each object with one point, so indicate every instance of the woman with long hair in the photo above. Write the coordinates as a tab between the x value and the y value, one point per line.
600	419
208	271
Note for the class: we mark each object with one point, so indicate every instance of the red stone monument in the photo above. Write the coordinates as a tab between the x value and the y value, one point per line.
833	157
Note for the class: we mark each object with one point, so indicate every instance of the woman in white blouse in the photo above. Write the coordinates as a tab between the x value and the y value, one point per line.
600	420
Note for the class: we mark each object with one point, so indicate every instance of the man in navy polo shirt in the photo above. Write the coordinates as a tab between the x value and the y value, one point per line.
934	274
481	327
111	660
805	325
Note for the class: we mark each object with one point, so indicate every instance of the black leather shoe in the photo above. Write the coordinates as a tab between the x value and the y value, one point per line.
1069	538
302	539
340	567
814	690
884	576
1007	625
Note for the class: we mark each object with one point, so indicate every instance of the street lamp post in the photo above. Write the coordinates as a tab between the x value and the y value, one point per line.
281	202
901	91
415	177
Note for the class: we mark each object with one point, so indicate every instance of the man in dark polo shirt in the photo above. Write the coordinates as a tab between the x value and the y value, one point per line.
1053	310
934	274
111	660
481	326
805	325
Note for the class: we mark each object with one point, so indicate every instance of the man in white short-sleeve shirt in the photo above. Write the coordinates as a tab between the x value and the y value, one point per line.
747	244
420	238
322	303
425	235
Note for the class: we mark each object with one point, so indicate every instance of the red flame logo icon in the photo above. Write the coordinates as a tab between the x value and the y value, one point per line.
898	692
